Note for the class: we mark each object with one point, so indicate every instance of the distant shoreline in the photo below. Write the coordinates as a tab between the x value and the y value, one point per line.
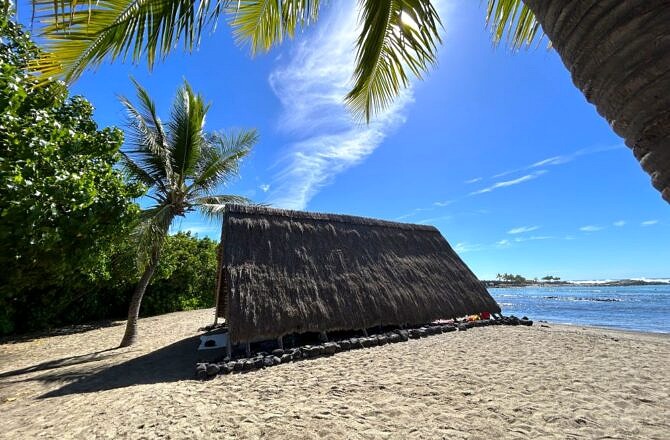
616	283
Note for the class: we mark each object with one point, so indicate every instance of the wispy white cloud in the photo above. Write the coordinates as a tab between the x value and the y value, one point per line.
506	183
503	243
475	180
464	247
619	223
430	221
648	222
522	229
265	187
533	238
311	86
591	228
443	203
561	159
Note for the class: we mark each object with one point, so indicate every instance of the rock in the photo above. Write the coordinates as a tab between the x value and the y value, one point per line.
462	327
227	367
258	362
277	352
413	334
365	342
330	348
318	350
286	357
393	338
422	332
448	328
404	335
201	371
382	340
276	360
212	370
238	365
345	344
268	361
526	322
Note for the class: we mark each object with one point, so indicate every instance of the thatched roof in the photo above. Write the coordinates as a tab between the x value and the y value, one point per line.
291	272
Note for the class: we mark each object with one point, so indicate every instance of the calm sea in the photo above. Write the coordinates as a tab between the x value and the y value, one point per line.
642	308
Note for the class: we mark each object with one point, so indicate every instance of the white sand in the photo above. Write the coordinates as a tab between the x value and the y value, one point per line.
492	382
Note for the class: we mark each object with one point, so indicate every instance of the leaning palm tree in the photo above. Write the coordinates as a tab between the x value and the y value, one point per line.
618	52
182	166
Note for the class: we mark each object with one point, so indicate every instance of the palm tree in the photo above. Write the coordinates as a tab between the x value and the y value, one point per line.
617	51
181	165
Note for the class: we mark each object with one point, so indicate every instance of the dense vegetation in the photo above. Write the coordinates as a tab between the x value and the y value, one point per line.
66	211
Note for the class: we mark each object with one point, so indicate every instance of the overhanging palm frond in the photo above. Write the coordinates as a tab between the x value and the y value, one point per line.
213	207
186	136
514	19
263	23
80	34
398	37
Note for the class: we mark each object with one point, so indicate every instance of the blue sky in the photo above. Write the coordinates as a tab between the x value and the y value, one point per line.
497	149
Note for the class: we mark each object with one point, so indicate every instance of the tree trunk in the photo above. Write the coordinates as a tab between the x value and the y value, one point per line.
618	53
130	335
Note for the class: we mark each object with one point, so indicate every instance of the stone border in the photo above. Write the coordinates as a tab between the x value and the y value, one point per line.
205	370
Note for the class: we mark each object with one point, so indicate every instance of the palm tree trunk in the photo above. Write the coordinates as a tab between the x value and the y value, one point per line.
130	335
618	53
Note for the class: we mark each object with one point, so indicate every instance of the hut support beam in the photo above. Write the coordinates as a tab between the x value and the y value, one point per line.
323	337
365	332
247	349
229	348
280	342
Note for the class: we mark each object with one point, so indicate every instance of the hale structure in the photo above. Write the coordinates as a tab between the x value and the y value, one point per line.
286	272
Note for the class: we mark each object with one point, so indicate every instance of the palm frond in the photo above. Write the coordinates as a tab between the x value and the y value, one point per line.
263	23
81	35
186	134
220	160
513	19
398	37
149	149
214	207
151	230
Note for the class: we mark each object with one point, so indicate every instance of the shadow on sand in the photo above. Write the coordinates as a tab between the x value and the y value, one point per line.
60	363
168	364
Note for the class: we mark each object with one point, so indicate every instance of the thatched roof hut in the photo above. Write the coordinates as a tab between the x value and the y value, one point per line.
286	272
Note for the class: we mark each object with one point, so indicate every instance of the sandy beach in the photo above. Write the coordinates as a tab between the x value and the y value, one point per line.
545	381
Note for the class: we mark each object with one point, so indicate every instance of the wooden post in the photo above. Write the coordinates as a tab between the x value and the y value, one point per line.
280	342
247	349
219	275
323	337
365	332
229	348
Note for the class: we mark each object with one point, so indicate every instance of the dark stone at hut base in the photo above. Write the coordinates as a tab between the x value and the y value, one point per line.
268	361
365	342
413	334
382	340
422	332
404	335
277	352
258	362
393	338
526	322
212	370
331	347
276	360
286	358
226	367
345	344
201	371
238	365
462	327
448	328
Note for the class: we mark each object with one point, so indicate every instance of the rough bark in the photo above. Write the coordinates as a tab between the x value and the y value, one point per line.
130	335
618	53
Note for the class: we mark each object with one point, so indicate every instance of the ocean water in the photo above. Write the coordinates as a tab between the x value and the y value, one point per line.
642	308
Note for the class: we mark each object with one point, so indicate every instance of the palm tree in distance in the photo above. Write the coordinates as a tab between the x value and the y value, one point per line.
182	166
618	52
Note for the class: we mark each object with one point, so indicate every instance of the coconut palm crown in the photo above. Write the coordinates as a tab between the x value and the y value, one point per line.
182	166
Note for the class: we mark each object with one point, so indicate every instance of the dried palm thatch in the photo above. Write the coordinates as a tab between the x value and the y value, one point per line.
288	272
